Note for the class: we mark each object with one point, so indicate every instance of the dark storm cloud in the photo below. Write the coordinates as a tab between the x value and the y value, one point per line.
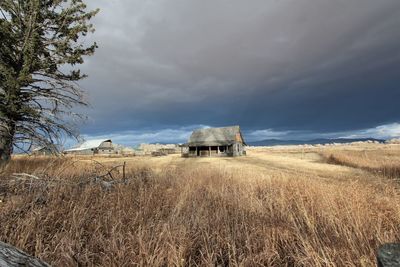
288	65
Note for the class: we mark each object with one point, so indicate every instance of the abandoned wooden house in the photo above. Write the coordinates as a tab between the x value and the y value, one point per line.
93	147
215	142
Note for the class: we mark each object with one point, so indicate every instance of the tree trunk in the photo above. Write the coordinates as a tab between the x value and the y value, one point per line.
6	143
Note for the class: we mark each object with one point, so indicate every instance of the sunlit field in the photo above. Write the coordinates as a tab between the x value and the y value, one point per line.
282	206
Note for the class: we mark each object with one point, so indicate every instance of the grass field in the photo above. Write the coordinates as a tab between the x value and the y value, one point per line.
283	206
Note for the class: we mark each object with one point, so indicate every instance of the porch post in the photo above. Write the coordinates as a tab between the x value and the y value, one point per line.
209	150
196	151
217	150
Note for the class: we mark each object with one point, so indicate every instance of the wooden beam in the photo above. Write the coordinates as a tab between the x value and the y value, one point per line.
389	255
12	257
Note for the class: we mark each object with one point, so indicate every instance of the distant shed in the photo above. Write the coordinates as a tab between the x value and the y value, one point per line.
42	151
93	147
217	142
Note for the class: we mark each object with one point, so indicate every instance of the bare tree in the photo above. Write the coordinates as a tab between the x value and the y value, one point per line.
40	46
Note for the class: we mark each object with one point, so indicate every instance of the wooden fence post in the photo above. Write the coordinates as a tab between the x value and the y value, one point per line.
123	171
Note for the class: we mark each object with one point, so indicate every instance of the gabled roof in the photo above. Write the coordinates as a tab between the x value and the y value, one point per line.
90	144
215	136
37	148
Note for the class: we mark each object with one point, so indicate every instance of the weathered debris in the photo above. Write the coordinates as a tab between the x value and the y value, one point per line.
389	255
13	257
106	180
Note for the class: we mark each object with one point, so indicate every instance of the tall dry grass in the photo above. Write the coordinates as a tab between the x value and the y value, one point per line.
383	162
196	217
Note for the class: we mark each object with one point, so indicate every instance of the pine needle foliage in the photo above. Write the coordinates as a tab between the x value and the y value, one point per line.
41	44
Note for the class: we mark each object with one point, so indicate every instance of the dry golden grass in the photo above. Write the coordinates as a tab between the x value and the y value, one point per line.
187	212
384	161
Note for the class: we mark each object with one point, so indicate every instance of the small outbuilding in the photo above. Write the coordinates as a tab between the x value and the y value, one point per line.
215	142
42	151
93	147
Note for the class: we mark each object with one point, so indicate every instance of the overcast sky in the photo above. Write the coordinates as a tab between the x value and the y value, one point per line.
278	68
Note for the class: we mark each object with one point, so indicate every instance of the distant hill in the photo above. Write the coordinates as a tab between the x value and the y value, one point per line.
322	141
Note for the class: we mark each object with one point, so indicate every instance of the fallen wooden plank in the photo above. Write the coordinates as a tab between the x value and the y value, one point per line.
389	255
12	257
